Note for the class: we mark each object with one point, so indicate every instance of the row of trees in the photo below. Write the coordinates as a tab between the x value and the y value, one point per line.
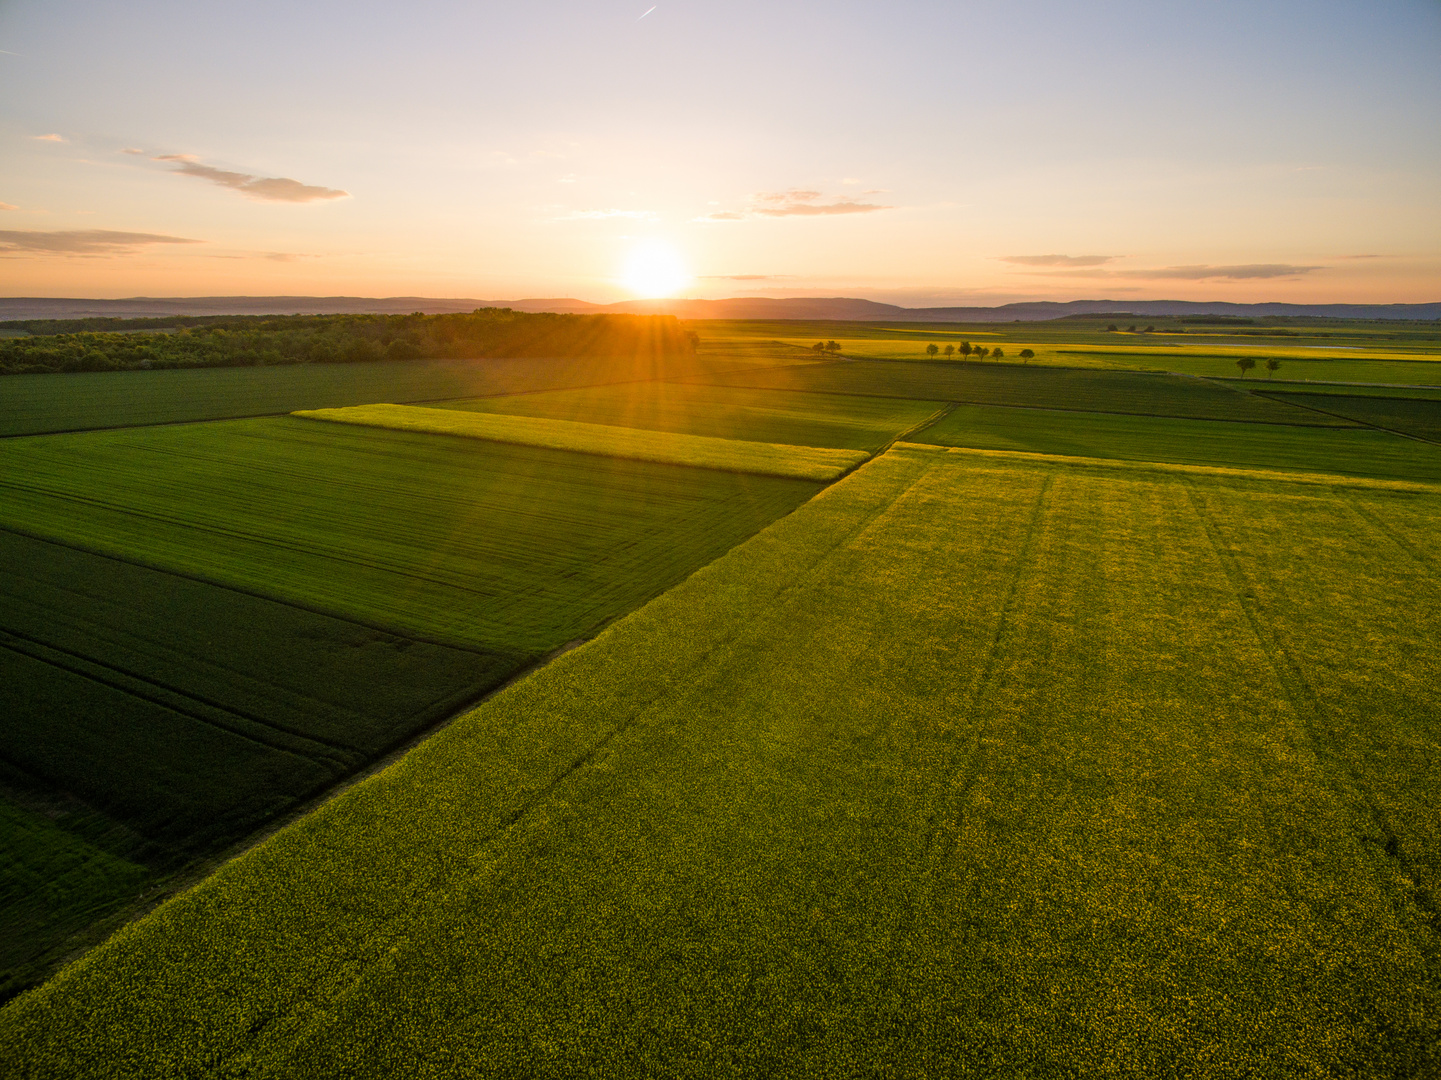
979	352
1247	363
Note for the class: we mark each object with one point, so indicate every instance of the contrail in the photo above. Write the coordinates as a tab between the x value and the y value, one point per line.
648	12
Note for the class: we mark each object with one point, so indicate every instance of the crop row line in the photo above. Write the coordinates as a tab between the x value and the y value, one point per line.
118	678
159	684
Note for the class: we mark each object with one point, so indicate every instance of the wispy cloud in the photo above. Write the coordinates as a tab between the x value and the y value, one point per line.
81	242
1057	260
52	137
132	150
797	202
7	206
1248	272
265	188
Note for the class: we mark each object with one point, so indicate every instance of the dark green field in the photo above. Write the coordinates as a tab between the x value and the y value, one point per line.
1409	416
34	404
1036	387
162	718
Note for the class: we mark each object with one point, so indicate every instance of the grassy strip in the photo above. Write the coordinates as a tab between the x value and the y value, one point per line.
846	421
1012	835
1038	387
1353	451
665	448
511	549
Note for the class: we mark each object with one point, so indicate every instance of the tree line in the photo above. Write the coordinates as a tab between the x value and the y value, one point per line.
978	352
248	340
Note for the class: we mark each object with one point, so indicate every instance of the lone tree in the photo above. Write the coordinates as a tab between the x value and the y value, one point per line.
932	349
950	351
1245	364
1272	366
997	354
833	347
1028	354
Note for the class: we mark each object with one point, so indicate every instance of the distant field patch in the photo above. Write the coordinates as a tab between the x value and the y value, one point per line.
833	420
513	548
1350	450
974	765
660	447
1015	384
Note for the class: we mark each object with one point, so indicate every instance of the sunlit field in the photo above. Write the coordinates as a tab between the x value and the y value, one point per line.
1014	833
758	709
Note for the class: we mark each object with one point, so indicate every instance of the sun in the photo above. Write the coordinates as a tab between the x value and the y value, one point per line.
653	269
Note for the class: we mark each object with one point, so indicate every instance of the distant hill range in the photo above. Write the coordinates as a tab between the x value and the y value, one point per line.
841	309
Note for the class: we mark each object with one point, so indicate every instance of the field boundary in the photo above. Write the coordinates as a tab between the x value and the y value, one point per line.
1326	479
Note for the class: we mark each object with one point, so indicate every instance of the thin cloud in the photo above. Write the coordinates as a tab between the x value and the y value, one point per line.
1248	272
797	202
52	137
264	188
1057	260
132	150
81	242
7	206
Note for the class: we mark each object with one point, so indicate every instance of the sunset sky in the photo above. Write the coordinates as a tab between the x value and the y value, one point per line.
912	152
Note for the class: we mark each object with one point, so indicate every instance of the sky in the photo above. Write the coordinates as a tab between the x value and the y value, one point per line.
917	152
